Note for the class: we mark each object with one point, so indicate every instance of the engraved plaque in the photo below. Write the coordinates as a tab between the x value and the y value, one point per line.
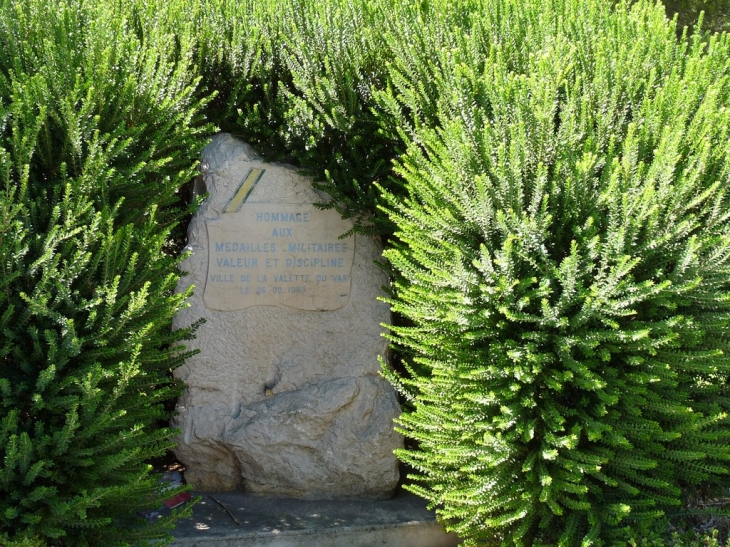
273	254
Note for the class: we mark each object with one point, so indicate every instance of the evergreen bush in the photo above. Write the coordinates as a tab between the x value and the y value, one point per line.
562	262
303	82
99	128
716	13
296	79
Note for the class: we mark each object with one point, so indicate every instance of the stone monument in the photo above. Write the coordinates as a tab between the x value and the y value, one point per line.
284	398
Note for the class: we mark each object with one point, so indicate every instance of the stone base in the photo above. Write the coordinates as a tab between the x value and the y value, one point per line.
400	522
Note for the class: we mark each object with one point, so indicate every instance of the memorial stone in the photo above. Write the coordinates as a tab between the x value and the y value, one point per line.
284	398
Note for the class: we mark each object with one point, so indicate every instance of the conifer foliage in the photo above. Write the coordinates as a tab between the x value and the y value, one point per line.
563	262
297	79
99	127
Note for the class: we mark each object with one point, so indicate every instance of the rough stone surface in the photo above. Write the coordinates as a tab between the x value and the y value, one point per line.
283	401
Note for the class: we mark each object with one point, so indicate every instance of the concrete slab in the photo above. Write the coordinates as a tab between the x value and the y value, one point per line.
235	519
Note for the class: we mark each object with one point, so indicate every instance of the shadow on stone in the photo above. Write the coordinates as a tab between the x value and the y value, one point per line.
230	519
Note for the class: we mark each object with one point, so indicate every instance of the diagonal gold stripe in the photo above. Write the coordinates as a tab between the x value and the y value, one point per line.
248	183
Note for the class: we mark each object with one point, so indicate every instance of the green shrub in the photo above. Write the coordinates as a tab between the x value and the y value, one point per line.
22	542
716	16
562	265
686	539
301	81
296	79
99	128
